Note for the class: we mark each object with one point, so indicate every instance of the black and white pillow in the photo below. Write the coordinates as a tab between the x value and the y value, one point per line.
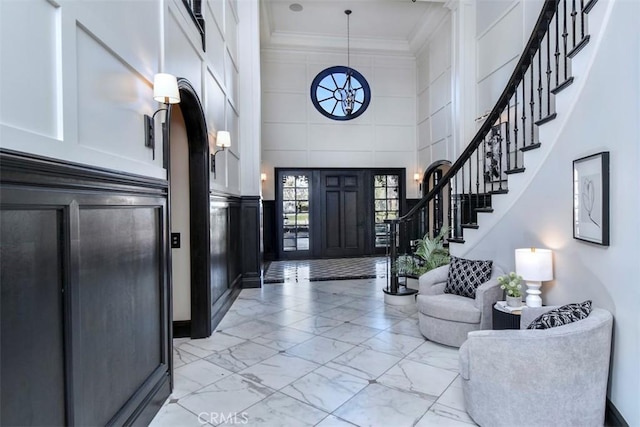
562	316
466	275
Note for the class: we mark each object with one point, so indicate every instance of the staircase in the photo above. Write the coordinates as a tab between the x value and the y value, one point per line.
503	156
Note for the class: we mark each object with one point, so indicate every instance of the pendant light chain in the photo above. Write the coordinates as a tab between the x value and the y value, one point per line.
348	12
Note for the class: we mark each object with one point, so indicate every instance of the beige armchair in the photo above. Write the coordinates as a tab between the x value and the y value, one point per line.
448	318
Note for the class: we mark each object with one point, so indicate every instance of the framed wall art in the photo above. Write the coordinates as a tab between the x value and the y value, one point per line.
591	198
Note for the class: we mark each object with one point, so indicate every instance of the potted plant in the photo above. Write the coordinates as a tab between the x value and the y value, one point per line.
428	254
510	283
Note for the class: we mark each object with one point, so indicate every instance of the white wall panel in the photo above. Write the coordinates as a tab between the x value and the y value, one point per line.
394	160
215	105
284	136
395	138
109	101
501	43
285	159
395	81
490	88
439	150
285	107
395	111
217	11
231	31
424	135
233	175
338	136
440	125
423	105
341	159
286	77
422	71
489	11
440	51
440	91
31	89
215	41
233	126
231	78
182	57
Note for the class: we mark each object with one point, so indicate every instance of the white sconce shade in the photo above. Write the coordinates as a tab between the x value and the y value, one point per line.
165	88
223	139
263	177
417	177
534	264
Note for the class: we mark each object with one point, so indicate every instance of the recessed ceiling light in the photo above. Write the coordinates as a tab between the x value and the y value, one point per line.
295	7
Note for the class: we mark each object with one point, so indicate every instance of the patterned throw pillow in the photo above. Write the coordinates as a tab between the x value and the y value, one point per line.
466	275
562	316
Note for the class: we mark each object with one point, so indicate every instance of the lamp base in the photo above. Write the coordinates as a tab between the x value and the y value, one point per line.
533	294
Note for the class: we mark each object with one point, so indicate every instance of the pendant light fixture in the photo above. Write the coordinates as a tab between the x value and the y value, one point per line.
348	93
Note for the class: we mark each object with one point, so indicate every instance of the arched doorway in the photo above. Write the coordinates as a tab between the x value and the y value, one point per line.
437	214
187	164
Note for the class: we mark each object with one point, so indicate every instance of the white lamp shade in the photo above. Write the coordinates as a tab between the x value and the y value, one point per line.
165	88
223	139
534	264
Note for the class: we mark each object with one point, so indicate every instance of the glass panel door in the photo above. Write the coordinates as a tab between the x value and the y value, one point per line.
295	213
386	204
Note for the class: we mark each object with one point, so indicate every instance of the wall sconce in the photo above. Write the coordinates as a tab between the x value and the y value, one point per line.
223	140
417	177
263	177
165	90
535	266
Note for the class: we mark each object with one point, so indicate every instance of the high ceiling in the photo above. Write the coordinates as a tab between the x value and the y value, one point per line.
385	26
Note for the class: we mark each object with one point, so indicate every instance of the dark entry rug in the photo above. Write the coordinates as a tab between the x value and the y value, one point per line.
326	269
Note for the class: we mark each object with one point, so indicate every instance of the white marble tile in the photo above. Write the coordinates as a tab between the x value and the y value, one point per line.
320	349
172	415
258	310
231	395
334	299
452	396
408	326
364	363
183	386
423	380
378	320
433	419
202	372
251	329
397	345
333	421
312	307
283	338
216	342
279	370
241	356
285	317
316	324
366	304
325	388
181	357
379	405
437	355
283	411
343	313
232	319
452	414
351	333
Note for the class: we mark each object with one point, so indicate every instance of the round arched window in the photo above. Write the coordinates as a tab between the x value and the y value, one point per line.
340	93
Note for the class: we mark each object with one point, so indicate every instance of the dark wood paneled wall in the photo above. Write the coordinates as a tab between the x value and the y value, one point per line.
250	232
85	294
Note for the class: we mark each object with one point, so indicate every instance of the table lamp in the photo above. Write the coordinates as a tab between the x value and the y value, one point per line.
535	266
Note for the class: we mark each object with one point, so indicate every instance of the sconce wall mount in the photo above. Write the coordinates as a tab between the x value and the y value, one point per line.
222	140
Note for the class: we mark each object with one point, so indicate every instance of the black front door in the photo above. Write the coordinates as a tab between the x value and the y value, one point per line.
343	213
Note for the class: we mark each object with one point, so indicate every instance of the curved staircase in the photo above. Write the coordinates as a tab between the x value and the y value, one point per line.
512	142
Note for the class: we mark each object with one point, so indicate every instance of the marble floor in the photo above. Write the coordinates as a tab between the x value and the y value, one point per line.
304	353
326	269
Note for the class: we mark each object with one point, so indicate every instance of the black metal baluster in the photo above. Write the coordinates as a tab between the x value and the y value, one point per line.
470	218
498	140
515	128
532	105
524	113
508	131
540	83
548	72
557	52
456	207
449	208
573	22
462	194
565	34
478	175
582	17
485	175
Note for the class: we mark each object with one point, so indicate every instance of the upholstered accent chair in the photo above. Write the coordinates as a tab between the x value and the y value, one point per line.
538	377
447	318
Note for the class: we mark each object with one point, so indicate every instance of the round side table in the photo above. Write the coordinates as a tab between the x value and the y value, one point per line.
504	320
